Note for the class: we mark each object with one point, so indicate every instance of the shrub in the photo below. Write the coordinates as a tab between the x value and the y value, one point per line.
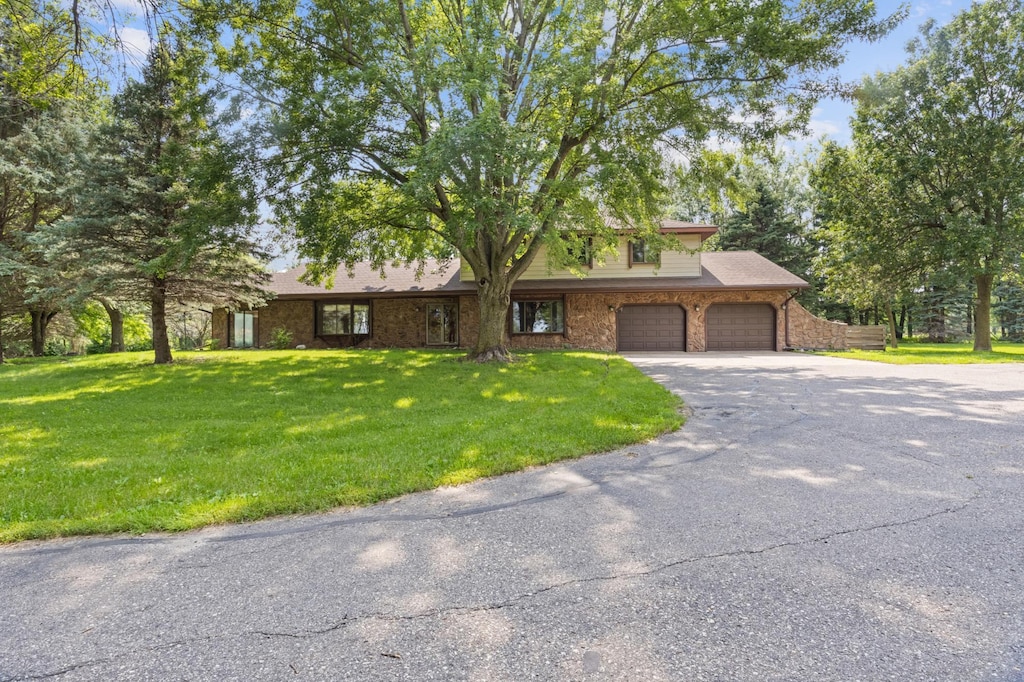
280	339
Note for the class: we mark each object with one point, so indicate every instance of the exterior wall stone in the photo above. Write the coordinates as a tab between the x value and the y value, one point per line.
219	327
593	317
295	316
810	332
591	321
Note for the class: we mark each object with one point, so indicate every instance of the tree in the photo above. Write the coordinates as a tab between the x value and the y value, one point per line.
163	216
488	128
868	253
767	227
39	84
946	131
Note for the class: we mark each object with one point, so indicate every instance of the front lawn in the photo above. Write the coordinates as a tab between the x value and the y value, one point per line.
113	443
915	353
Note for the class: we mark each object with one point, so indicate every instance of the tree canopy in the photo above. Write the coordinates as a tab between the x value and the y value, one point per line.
944	138
400	130
163	215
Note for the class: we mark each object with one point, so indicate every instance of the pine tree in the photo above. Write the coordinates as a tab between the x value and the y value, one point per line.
163	216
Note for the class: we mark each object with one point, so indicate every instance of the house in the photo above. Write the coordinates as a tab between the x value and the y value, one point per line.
678	300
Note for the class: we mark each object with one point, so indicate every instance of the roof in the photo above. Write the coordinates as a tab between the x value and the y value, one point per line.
726	270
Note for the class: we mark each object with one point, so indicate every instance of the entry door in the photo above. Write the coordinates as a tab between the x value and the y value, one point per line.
443	324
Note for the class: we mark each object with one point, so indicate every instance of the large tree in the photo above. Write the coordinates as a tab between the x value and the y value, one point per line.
163	215
868	255
41	85
490	127
946	133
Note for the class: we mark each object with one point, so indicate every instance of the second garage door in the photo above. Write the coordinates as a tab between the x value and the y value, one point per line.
741	326
652	327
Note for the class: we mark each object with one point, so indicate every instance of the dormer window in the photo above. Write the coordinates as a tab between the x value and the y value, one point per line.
641	253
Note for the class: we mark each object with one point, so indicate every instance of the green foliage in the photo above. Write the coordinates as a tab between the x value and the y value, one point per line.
280	338
941	140
93	322
163	214
767	227
404	130
111	444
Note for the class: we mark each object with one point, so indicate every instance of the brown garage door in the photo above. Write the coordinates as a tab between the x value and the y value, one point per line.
741	326
652	327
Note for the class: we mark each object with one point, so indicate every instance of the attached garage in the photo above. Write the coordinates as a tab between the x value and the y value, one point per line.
741	326
651	327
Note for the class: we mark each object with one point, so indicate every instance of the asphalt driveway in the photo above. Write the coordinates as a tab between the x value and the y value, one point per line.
816	519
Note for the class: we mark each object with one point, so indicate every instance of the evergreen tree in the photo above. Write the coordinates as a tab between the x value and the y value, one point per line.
163	216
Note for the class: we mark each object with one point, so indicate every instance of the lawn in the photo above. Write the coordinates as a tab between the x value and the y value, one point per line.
914	353
113	443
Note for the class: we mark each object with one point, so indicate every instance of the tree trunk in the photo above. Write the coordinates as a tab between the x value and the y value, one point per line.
158	311
492	342
891	315
40	321
1	336
116	326
983	314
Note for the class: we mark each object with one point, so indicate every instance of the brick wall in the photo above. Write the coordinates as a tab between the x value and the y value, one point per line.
590	321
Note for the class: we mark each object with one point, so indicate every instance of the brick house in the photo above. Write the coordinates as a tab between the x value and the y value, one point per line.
681	300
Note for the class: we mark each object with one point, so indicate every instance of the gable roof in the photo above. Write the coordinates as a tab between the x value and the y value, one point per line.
725	270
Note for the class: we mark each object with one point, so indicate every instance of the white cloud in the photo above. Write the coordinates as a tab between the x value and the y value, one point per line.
136	41
819	127
138	8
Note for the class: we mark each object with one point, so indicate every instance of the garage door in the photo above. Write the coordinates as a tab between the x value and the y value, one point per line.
746	326
652	327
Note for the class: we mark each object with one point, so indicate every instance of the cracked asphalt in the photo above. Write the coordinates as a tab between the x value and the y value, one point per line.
816	519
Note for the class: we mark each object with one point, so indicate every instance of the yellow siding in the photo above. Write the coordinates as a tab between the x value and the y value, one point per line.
673	264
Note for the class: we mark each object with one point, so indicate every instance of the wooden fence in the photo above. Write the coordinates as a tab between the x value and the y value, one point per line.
866	337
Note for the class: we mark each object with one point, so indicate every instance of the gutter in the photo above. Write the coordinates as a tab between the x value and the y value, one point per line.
785	309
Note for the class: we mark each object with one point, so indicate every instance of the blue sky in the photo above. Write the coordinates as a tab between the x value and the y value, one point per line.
832	116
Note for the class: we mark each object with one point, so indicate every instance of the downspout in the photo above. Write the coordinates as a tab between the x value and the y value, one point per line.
785	310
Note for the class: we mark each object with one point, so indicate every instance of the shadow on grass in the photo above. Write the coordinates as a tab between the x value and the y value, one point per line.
116	443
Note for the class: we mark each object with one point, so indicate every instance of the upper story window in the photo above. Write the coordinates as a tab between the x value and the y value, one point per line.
343	319
538	317
582	252
641	253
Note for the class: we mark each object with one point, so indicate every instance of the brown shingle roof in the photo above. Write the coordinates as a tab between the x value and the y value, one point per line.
729	270
364	280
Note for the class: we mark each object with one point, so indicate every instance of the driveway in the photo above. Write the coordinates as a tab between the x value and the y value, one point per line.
816	519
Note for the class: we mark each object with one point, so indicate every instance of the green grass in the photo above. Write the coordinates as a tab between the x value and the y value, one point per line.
915	353
113	443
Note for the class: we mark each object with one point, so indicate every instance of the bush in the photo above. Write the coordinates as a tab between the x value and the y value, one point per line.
280	339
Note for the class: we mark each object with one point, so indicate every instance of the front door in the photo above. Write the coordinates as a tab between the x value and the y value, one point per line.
443	324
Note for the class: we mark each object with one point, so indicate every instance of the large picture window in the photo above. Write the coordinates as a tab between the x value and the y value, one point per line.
343	319
538	317
242	329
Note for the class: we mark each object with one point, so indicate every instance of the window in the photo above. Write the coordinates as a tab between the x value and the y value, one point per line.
582	252
642	254
538	317
242	329
343	319
443	324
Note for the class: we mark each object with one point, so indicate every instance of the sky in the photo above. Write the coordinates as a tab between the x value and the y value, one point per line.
832	116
